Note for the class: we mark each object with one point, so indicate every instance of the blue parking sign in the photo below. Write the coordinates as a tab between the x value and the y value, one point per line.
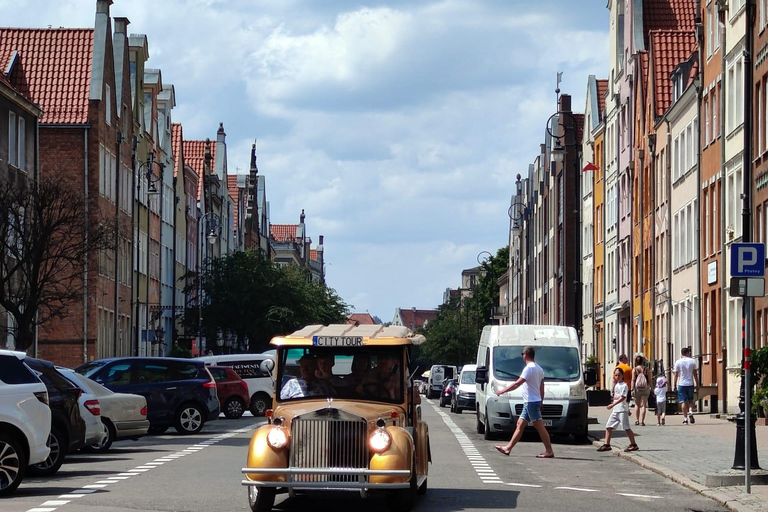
747	260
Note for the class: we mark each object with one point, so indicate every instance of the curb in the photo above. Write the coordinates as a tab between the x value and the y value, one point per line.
725	499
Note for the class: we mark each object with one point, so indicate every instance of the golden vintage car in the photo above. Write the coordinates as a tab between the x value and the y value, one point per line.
345	417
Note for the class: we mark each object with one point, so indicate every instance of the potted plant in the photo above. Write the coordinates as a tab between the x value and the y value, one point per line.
760	395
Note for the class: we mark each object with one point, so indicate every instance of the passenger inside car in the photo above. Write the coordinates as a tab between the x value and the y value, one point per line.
307	384
383	381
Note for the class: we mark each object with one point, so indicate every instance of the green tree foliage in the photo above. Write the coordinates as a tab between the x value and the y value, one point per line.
453	337
247	294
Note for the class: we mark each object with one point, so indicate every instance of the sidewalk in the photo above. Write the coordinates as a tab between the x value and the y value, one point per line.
688	453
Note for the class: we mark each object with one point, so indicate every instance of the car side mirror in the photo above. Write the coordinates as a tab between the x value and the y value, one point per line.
590	377
481	375
267	366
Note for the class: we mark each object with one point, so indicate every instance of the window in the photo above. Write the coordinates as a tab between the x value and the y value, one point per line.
13	152
735	99
108	104
715	110
21	160
707	132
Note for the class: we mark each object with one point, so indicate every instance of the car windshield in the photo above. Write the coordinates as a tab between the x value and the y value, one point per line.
558	363
370	373
89	368
468	377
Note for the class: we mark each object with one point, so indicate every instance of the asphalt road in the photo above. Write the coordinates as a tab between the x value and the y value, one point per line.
202	473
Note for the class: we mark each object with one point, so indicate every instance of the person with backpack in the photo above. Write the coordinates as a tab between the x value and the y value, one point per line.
641	389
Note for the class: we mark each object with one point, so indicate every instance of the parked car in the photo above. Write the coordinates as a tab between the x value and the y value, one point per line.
445	394
179	392
123	415
25	420
463	395
90	410
248	367
67	424
438	374
231	390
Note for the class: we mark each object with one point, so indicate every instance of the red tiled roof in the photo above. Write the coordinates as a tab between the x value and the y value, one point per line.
194	156
668	15
53	70
313	255
176	145
233	192
602	92
283	232
361	319
415	318
669	48
644	61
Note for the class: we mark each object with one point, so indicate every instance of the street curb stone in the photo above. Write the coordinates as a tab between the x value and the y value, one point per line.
722	497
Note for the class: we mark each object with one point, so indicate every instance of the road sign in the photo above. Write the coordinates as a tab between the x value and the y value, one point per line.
747	260
747	287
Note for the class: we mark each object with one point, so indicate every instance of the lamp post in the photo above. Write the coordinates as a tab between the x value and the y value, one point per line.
145	173
211	222
516	215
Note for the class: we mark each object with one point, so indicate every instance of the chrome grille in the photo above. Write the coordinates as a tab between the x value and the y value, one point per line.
328	442
546	410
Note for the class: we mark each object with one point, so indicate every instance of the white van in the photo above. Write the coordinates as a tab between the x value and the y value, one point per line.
438	374
248	367
464	397
500	362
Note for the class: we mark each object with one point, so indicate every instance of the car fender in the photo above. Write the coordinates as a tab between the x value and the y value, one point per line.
262	455
398	456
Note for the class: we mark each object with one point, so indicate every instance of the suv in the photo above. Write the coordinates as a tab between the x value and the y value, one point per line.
25	420
231	390
67	425
248	367
179	392
355	426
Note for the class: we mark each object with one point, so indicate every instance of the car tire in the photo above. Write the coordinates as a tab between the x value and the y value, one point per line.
58	443
458	409
261	499
13	464
401	500
479	425
234	407
487	432
157	430
260	402
189	419
453	407
108	439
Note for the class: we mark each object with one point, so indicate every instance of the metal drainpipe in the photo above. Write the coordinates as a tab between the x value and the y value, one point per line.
651	144
85	260
699	91
37	181
668	165
173	262
134	252
723	274
641	274
118	162
161	343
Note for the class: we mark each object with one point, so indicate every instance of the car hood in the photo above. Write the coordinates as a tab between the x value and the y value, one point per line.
369	411
466	388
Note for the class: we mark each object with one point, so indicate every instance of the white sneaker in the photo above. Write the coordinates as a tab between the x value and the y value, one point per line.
685	422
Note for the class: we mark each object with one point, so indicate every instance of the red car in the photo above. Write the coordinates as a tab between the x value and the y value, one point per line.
231	390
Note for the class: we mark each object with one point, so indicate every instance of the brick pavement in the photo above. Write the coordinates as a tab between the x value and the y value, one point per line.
688	453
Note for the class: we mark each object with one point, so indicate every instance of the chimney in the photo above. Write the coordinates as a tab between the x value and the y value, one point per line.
220	135
121	25
102	6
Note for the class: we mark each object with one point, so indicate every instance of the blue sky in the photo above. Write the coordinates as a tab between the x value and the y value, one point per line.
398	126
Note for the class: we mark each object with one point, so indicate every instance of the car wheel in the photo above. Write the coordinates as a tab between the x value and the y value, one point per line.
108	439
13	463
479	426
260	403
189	419
487	432
457	409
401	500
261	499
234	407
157	430
57	442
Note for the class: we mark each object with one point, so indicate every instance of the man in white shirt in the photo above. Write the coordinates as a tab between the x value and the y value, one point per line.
686	382
532	381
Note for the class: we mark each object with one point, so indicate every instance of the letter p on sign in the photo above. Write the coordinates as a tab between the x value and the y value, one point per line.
747	260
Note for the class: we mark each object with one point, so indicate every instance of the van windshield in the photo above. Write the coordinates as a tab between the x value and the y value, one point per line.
558	363
468	377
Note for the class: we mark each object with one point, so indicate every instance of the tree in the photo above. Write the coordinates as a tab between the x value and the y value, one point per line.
249	295
44	240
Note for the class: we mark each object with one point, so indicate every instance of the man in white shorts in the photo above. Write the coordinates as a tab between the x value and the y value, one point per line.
619	413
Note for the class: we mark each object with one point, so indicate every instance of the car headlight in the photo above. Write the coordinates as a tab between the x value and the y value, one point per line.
277	438
380	440
497	386
577	391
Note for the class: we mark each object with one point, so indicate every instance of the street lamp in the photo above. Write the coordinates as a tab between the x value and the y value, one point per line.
516	215
145	172
211	222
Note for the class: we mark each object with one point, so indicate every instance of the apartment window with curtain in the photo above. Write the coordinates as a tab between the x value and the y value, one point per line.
715	104
12	139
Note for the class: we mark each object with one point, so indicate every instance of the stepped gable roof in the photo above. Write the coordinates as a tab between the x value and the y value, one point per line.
414	318
667	15
283	232
194	156
669	48
602	92
234	192
176	145
361	319
52	69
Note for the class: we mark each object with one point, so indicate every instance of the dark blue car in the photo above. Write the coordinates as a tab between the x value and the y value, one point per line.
179	392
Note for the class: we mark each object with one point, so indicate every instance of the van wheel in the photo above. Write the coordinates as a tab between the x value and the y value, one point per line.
479	426
259	404
261	499
58	443
13	463
487	433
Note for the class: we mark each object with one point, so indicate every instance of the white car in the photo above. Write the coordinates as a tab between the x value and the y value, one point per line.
248	367
90	410
25	419
123	415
